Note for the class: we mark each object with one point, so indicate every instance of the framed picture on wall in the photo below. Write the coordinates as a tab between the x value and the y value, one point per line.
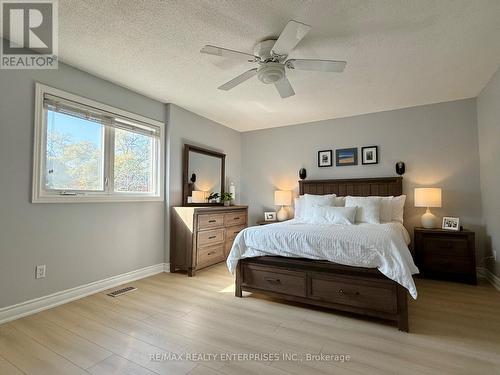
346	156
325	158
369	155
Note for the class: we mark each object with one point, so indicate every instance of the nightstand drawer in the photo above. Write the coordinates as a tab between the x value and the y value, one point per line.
445	246
434	263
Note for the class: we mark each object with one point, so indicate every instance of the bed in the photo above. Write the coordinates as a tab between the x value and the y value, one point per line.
285	260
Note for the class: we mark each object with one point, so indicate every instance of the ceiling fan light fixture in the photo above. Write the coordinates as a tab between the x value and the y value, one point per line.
271	72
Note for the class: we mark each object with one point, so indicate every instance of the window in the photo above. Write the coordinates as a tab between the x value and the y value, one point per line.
87	151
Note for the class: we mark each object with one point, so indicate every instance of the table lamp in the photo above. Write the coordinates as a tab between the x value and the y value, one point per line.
428	197
199	196
282	198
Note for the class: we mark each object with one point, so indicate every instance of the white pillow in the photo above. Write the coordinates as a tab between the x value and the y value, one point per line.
386	209
299	207
368	208
316	200
398	207
339	202
332	215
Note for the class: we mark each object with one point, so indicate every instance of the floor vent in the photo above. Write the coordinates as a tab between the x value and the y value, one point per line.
119	292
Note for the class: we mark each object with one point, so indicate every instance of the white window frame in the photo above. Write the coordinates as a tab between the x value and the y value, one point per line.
42	195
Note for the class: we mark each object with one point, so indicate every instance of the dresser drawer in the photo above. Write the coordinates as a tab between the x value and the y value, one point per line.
227	248
210	255
235	218
353	293
232	232
210	237
210	221
275	280
445	246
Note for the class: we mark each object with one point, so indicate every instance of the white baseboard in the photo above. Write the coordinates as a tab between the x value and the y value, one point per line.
490	276
46	302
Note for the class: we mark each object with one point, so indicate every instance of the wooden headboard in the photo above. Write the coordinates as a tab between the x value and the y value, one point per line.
364	187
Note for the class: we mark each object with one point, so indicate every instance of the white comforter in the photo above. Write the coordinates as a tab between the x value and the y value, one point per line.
381	246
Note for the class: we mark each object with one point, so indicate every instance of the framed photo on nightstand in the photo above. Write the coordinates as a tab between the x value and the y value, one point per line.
270	216
451	223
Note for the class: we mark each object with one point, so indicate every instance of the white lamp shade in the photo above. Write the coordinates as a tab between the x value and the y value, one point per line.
198	196
282	198
428	197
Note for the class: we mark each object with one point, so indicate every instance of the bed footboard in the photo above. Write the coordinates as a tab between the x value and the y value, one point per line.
362	291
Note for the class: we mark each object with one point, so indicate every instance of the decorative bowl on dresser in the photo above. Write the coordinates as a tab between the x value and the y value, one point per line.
445	254
203	236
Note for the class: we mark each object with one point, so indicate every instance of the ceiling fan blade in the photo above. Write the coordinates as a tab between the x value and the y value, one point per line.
224	52
240	79
291	35
316	65
284	88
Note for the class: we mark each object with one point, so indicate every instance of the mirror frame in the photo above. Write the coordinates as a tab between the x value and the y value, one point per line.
185	188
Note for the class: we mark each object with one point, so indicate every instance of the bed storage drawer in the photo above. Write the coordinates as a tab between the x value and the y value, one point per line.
274	280
371	294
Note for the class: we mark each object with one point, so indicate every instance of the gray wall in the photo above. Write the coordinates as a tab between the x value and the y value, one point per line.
187	127
488	114
437	142
79	243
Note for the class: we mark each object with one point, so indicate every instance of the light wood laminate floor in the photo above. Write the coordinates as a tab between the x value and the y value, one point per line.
455	329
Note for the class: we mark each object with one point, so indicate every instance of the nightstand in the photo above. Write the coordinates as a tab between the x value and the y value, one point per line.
446	254
263	222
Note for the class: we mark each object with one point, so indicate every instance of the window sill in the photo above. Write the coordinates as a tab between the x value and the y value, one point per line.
95	199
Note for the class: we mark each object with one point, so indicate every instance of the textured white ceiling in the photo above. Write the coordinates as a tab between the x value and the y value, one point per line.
399	53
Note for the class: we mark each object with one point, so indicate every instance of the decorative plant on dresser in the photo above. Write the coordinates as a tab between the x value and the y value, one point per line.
203	236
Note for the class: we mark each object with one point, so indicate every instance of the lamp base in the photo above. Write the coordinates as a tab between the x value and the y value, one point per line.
282	214
429	221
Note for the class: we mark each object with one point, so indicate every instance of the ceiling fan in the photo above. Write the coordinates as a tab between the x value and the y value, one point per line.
271	56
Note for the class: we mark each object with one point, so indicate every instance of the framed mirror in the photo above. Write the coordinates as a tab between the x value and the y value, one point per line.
203	176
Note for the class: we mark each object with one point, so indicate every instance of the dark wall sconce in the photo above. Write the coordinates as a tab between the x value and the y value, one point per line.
193	178
302	173
400	168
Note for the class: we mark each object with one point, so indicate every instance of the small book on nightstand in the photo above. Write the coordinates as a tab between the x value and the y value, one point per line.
446	254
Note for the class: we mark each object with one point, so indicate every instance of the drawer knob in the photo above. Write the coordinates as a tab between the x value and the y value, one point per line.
341	291
211	253
212	221
212	237
272	280
236	218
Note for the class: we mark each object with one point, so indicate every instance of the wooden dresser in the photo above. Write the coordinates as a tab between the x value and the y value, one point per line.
446	254
203	236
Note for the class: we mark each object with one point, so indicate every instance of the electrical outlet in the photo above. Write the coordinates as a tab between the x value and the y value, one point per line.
494	253
40	271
